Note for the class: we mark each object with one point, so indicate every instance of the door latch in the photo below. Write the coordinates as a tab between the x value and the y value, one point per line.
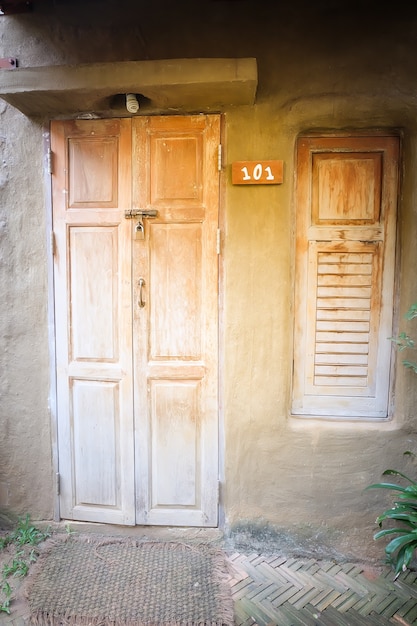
139	230
140	214
131	213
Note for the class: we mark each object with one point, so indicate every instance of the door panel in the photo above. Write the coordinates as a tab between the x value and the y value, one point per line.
137	363
175	426
175	291
93	441
94	290
176	398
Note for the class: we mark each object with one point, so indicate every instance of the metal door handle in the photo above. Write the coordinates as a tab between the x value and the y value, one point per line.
141	286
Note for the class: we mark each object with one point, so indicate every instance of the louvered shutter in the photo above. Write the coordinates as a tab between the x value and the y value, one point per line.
345	255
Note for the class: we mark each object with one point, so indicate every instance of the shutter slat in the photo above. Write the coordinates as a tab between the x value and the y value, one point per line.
342	314
346	280
342	326
339	258
340	370
342	337
342	303
339	381
347	292
341	359
342	348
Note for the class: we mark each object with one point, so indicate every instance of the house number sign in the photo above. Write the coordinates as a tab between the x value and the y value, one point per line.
257	172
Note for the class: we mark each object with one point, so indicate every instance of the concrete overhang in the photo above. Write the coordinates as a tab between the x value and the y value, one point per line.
187	85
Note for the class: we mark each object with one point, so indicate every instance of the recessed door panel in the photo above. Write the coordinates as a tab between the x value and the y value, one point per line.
175	290
176	419
93	292
96	431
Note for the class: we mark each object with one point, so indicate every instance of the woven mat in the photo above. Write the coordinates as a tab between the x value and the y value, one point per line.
120	582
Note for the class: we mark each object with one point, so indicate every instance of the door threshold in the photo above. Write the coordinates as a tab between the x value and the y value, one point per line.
145	533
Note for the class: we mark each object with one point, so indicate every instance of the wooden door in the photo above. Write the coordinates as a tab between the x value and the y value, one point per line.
136	319
91	189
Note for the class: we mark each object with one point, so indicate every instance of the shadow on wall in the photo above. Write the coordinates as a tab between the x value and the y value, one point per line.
7	519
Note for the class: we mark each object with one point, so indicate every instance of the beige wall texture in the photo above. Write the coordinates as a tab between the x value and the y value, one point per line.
325	66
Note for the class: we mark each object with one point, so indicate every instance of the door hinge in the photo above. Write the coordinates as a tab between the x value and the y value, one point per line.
218	241
52	243
58	484
219	157
49	161
8	63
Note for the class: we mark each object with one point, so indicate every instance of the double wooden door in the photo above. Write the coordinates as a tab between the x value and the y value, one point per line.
136	310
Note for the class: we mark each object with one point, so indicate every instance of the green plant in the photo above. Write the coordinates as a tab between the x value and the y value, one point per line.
7	592
26	533
400	549
21	541
5	605
18	567
404	342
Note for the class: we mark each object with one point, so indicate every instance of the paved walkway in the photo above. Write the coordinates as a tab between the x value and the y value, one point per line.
272	590
280	591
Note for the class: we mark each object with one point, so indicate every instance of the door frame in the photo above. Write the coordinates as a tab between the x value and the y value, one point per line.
49	241
50	251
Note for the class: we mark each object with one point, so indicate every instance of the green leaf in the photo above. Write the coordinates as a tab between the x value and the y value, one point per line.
403	559
392	486
392	472
411	365
403	341
400	517
398	542
412	312
406	505
409	511
390	531
6	589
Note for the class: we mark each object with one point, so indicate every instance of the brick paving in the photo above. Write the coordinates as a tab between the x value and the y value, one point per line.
276	590
272	590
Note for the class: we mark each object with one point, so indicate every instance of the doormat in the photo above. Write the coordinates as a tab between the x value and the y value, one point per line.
123	582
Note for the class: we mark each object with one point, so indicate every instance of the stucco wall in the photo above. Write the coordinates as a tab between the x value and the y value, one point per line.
25	443
319	67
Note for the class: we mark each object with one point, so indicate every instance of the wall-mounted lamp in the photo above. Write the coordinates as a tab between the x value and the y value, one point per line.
9	7
132	104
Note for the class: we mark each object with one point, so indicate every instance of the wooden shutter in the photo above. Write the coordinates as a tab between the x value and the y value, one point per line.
345	254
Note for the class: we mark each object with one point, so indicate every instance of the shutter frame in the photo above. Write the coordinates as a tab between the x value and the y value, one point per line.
359	227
